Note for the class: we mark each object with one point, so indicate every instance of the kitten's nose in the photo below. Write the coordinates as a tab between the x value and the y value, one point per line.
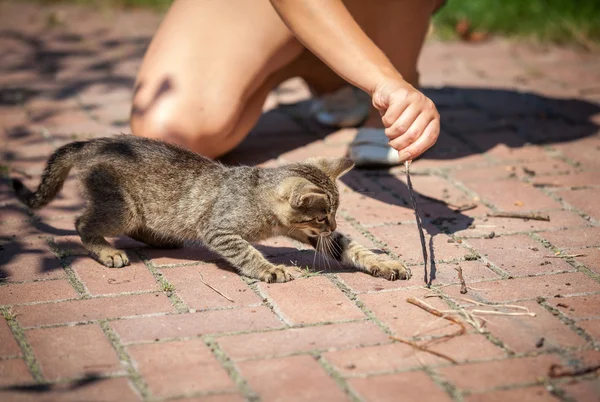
332	224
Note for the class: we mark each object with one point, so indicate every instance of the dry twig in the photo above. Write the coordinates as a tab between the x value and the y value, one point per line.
565	256
437	313
520	215
557	370
424	349
202	279
463	285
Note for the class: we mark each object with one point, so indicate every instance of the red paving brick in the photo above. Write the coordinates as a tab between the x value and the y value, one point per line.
321	301
100	280
592	327
110	389
28	261
403	240
186	255
531	287
487	97
574	238
588	391
36	291
585	200
199	296
533	394
293	378
66	352
519	255
522	334
399	387
92	309
404	319
398	356
13	372
215	398
482	376
195	324
8	344
579	307
512	195
379	358
277	343
590	258
369	210
482	226
166	368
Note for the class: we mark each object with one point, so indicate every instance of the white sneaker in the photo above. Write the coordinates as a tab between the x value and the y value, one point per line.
371	147
346	107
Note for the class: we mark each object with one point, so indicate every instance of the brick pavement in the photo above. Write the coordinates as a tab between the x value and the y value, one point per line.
520	133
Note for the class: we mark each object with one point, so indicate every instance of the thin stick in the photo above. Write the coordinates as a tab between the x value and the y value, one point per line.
418	217
463	285
557	370
424	349
565	256
437	313
202	279
488	312
495	305
520	215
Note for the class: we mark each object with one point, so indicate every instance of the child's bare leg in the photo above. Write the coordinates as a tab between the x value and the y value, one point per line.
211	64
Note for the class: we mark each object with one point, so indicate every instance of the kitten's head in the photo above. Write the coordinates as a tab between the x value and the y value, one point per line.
309	197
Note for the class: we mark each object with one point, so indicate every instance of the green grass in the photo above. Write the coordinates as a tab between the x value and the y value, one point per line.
555	21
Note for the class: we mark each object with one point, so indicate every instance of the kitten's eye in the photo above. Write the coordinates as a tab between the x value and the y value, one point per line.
321	220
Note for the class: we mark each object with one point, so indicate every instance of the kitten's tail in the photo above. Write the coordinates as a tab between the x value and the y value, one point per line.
56	172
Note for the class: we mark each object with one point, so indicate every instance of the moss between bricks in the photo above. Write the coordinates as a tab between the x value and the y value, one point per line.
135	377
229	367
28	356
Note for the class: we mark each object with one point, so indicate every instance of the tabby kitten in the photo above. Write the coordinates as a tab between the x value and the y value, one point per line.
162	195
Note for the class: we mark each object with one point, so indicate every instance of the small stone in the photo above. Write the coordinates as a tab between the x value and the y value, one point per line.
471	257
351	366
451	241
540	342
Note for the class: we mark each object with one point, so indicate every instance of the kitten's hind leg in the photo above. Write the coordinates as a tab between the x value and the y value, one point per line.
92	228
148	237
246	258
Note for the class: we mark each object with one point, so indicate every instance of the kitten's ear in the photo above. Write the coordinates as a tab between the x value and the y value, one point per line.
309	200
332	167
301	193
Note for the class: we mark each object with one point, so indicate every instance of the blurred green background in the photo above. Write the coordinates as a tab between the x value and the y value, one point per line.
548	21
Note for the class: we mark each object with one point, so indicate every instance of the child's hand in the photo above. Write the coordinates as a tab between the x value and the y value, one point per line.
411	120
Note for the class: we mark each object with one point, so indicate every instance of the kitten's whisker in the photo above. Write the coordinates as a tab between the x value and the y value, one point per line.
316	252
335	247
294	227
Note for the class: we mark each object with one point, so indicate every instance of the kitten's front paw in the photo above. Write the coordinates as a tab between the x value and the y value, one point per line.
276	273
113	258
390	270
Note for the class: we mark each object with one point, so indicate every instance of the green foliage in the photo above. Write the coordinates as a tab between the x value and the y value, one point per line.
558	21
